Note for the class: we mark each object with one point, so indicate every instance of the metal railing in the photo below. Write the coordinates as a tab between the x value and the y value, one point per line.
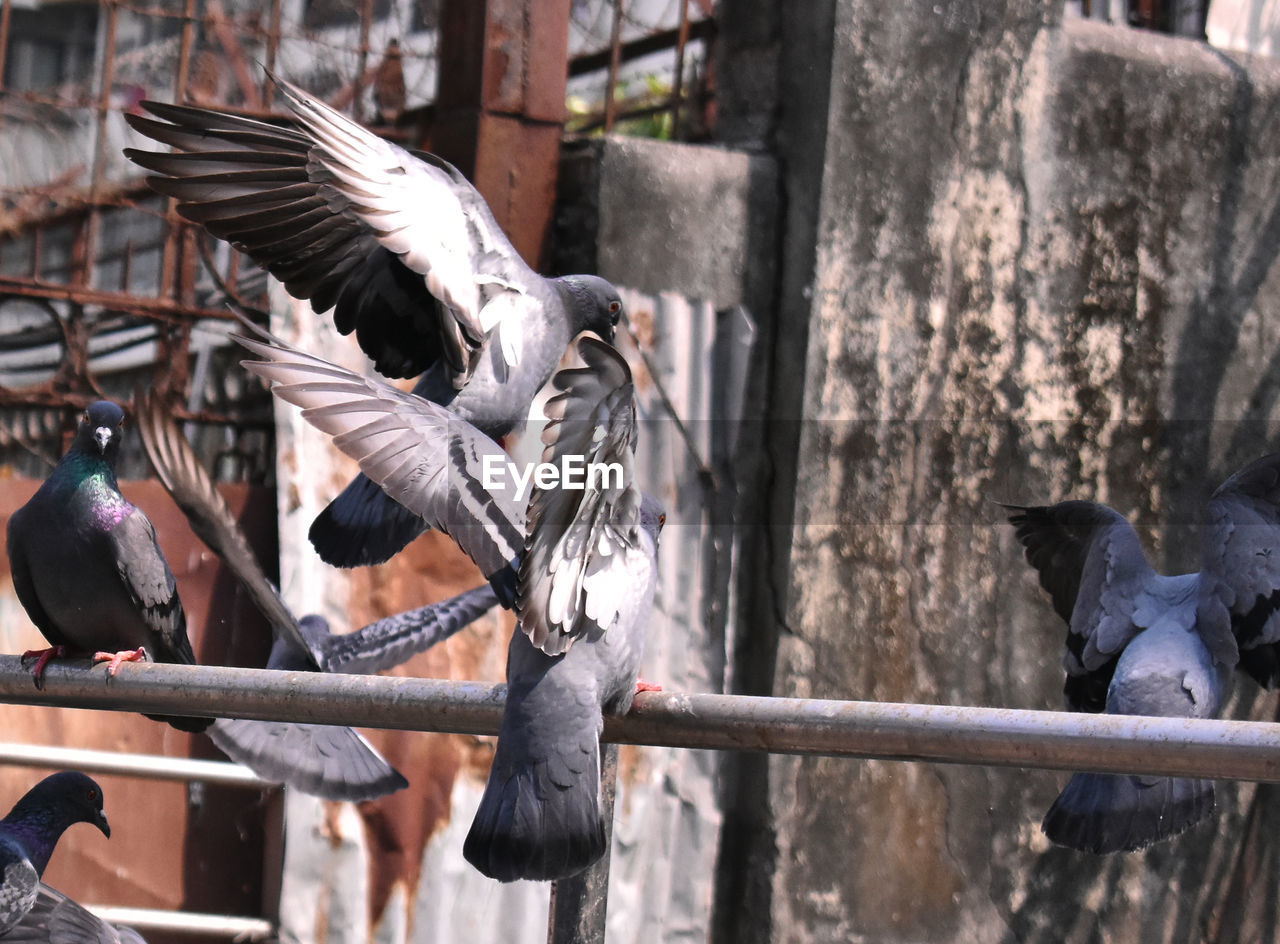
1005	737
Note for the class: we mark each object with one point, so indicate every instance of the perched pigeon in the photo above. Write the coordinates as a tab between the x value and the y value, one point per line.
401	247
1141	643
331	762
586	576
86	565
56	919
32	829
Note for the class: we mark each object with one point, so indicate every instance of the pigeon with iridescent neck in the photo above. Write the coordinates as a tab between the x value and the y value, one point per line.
405	252
87	567
32	829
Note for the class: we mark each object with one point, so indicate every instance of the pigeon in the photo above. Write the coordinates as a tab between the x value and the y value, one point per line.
1140	643
583	565
87	567
32	829
56	919
331	762
402	248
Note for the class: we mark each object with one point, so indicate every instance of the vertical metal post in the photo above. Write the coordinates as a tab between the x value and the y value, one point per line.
580	903
106	80
6	16
615	63
499	113
677	88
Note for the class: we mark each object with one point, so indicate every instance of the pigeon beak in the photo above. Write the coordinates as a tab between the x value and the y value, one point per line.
102	823
103	435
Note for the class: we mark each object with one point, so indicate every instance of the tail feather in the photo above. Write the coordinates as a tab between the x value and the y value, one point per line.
363	526
330	762
529	827
1103	813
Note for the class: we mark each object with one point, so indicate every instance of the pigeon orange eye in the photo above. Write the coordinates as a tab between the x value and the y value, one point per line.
615	307
93	794
662	520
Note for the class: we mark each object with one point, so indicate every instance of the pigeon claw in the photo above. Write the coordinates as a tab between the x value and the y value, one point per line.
116	658
43	657
643	686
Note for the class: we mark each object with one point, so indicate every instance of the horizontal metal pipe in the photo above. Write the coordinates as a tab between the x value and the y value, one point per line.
150	766
153	919
1236	750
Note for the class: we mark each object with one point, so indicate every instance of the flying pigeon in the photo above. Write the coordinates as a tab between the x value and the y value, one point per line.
87	567
1140	643
583	563
32	829
401	247
56	919
332	762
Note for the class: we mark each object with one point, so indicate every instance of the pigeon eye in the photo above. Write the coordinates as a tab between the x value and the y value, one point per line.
662	520
615	307
93	794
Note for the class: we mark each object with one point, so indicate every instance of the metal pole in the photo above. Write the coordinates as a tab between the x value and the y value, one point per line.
580	903
1006	737
149	766
189	922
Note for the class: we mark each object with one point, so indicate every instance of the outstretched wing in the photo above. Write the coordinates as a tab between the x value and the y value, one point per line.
56	919
401	246
187	480
1089	559
439	467
1240	569
575	570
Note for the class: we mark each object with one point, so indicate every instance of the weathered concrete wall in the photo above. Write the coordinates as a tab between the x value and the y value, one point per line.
1025	260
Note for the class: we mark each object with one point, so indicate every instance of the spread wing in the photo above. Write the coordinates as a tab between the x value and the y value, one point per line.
400	245
1240	568
575	571
187	480
1089	559
423	456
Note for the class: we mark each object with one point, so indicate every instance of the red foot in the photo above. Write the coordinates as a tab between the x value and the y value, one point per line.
116	658
43	657
643	686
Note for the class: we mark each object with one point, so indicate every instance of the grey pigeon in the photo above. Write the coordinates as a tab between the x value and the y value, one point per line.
32	829
402	248
585	569
56	919
1140	643
87	567
332	762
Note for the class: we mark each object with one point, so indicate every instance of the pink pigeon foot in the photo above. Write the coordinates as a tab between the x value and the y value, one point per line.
43	657
643	686
116	658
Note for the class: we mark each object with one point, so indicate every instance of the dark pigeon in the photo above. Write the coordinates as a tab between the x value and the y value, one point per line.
32	829
585	565
402	248
87	567
332	762
1140	643
56	919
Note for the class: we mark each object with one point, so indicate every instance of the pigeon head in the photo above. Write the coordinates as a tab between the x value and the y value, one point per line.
47	809
99	429
596	304
652	516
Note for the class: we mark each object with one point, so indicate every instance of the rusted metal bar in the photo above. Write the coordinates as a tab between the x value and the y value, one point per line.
161	308
580	903
615	63
1001	737
106	83
677	85
6	18
643	46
